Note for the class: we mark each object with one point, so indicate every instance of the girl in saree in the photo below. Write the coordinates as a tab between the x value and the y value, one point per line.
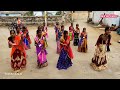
71	32
76	35
66	53
41	50
26	38
82	46
99	61
18	54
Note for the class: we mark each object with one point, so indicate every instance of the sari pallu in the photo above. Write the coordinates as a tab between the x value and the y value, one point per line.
26	43
18	54
82	45
26	40
58	41
44	34
41	52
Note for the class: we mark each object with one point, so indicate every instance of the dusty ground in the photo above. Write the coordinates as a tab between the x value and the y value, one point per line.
81	68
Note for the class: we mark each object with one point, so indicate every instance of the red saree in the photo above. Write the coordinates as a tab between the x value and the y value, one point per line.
18	55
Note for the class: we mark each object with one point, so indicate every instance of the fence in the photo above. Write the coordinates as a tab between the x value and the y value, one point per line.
30	20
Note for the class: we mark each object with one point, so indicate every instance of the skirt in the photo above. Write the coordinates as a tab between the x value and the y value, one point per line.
64	60
99	61
18	60
76	41
82	45
42	59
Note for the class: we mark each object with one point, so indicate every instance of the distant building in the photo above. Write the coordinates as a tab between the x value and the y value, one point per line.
38	13
41	13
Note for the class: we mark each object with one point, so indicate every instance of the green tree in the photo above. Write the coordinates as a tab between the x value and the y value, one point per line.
30	13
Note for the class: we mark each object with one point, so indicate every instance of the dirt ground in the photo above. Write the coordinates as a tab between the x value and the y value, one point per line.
81	68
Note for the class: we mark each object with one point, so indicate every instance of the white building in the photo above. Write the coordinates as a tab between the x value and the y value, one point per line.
107	21
41	13
37	13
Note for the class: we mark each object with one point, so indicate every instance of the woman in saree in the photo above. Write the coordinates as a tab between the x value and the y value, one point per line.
76	35
40	50
66	53
18	54
71	32
99	61
60	33
82	45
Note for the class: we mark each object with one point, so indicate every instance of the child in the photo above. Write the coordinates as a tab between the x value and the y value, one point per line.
11	38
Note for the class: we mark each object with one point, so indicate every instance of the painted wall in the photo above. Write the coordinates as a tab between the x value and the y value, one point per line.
107	21
96	16
110	21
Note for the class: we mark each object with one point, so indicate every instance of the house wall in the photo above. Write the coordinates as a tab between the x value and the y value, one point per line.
96	16
107	21
110	21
